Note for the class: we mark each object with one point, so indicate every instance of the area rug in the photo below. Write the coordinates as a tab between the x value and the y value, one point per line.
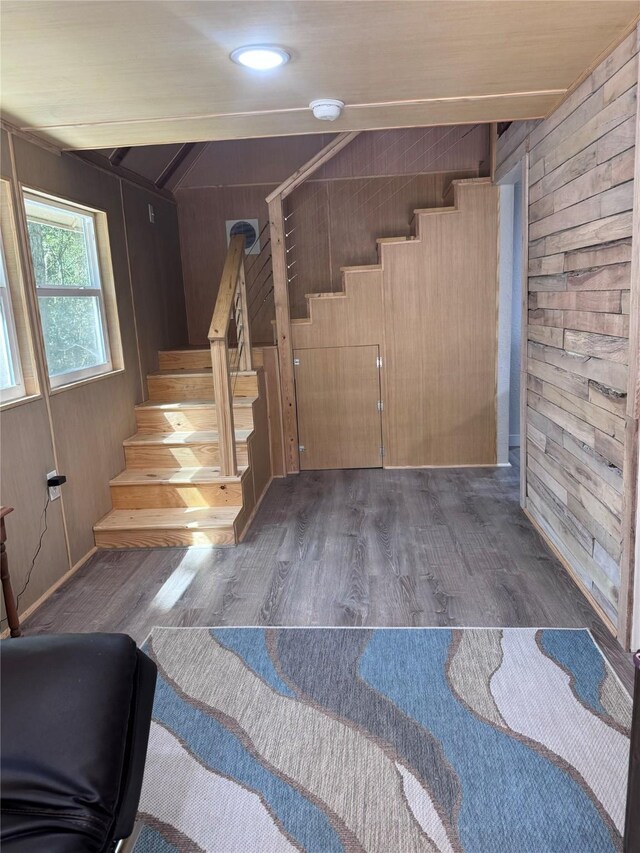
384	740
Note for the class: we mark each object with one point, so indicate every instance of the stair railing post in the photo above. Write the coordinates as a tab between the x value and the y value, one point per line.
224	309
283	333
223	395
275	200
246	360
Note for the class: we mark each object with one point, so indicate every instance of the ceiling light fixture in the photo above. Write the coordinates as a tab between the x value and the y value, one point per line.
261	57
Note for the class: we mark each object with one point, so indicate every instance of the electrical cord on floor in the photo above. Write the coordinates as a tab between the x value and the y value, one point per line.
43	517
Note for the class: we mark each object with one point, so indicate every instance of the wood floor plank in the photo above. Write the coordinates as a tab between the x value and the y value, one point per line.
446	547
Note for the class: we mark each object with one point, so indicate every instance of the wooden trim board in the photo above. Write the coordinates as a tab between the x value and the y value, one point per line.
569	569
46	595
283	336
312	165
524	296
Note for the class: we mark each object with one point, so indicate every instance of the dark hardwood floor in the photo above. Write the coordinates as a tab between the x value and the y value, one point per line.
446	547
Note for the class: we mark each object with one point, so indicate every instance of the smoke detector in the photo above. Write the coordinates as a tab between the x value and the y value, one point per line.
326	109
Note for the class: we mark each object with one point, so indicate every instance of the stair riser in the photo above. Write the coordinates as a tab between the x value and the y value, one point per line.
199	359
172	389
183	456
164	538
188	420
164	496
422	222
184	360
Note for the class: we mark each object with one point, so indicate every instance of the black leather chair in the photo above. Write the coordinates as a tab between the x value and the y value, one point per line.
76	712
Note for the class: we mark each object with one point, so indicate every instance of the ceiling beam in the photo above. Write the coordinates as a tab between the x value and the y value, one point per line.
175	179
98	161
174	164
118	154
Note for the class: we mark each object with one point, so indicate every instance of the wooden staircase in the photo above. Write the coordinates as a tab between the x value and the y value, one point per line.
172	492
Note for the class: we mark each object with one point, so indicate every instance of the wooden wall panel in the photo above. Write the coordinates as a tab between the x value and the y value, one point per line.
156	271
339	222
353	319
82	416
80	430
274	410
5	155
203	238
581	185
26	457
411	151
365	192
440	308
246	162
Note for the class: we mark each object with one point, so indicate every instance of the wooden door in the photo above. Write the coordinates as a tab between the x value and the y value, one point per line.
339	420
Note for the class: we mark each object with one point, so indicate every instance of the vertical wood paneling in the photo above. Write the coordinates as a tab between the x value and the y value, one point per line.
80	429
440	318
368	190
582	446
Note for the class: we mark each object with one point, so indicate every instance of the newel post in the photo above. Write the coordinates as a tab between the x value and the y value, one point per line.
223	395
283	332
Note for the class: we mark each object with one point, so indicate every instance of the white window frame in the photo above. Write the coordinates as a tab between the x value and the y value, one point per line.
18	389
95	290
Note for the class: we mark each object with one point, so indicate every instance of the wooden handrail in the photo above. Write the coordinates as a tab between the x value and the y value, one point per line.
221	318
230	302
300	175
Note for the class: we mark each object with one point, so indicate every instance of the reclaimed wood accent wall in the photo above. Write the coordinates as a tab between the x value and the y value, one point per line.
580	441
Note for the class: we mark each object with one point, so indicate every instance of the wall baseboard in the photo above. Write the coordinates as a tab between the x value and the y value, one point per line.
61	580
436	467
609	625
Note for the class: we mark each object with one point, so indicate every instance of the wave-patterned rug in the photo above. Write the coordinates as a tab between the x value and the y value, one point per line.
385	740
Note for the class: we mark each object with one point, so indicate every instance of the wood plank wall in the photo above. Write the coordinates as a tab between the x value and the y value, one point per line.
579	447
368	190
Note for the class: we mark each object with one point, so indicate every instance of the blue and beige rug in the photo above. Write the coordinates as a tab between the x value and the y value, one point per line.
385	740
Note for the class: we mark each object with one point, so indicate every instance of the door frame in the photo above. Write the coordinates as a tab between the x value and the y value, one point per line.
519	173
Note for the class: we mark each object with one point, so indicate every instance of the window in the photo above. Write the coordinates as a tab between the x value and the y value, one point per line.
18	379
11	382
64	253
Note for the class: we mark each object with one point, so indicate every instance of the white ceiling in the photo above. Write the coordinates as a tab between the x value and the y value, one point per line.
103	73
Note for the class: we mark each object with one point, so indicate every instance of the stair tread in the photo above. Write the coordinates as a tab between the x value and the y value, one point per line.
199	371
181	438
192	404
449	209
180	518
328	294
174	476
362	268
185	350
198	350
395	239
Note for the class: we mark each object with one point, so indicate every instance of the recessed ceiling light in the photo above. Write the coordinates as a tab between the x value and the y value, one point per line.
260	57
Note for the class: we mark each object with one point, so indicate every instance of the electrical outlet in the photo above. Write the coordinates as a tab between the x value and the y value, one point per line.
54	491
152	214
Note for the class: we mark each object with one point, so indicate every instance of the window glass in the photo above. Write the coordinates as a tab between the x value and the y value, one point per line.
68	285
11	384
